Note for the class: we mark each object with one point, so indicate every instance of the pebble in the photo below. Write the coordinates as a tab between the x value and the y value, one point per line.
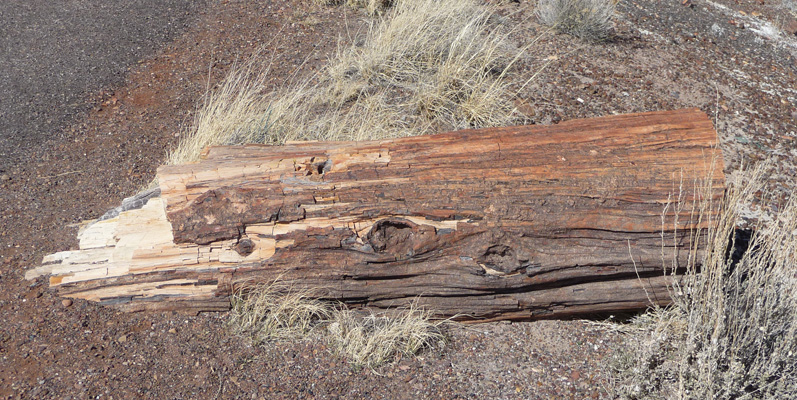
172	330
122	339
66	302
5	177
790	26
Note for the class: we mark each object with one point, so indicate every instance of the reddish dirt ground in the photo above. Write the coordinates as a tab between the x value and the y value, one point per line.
719	56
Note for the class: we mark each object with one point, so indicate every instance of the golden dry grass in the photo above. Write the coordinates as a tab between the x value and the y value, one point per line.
276	311
233	113
279	311
372	340
426	66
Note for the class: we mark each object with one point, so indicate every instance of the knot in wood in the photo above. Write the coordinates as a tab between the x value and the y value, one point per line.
504	259
244	247
400	237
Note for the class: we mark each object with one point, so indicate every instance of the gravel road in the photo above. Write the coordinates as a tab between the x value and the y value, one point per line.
55	54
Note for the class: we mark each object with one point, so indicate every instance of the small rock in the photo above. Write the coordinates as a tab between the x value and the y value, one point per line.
575	375
66	302
172	330
790	26
5	177
122	339
717	30
244	247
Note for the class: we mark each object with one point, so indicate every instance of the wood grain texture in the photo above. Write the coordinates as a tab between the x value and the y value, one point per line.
504	223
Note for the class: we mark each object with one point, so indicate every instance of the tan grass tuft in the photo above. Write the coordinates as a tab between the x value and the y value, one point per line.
233	113
376	339
276	311
427	66
732	330
279	311
589	20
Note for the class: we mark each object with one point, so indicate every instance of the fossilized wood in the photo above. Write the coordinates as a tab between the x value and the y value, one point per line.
504	223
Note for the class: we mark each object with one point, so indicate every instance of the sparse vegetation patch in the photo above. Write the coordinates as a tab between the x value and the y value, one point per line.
589	20
279	311
276	311
790	5
368	341
428	66
732	331
372	7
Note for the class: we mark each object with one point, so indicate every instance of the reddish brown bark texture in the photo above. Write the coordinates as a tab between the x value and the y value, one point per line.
503	223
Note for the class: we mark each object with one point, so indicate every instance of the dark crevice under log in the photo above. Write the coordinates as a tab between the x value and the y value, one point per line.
505	223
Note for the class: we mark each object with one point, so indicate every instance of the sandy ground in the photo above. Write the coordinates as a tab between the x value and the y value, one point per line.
86	122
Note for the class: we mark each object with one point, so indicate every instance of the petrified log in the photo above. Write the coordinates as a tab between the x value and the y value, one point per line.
505	223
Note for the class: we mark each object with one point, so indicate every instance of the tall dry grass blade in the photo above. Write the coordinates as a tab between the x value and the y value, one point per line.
732	330
234	113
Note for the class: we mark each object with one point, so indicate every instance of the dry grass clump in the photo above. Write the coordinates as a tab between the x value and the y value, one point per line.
276	311
585	19
375	339
426	66
732	330
372	7
438	62
281	312
790	5
233	113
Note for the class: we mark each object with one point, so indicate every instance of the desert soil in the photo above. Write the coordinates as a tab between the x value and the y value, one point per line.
83	130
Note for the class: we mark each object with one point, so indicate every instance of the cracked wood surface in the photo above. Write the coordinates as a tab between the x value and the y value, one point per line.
503	223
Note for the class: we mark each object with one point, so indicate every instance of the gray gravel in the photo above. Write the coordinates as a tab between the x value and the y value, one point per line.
54	54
